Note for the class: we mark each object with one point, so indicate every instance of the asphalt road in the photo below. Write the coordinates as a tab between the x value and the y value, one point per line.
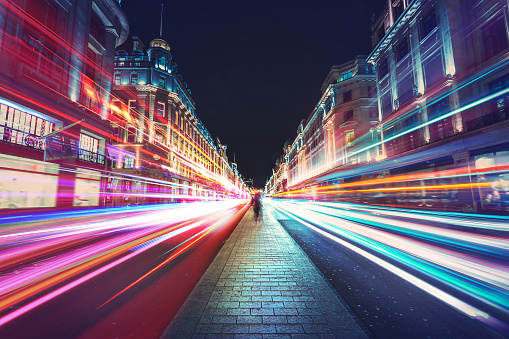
387	305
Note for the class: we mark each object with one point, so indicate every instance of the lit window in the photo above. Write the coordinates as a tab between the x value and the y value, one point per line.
160	109
129	162
162	82
89	148
132	108
134	78
117	78
349	138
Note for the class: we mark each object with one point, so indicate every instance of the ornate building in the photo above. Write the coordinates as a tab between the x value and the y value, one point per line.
56	61
158	134
442	85
326	141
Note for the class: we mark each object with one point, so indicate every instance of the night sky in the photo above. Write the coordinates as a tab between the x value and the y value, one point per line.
255	68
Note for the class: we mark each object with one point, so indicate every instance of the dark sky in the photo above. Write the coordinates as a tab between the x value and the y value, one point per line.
255	68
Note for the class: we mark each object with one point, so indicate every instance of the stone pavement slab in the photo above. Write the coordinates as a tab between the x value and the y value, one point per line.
262	285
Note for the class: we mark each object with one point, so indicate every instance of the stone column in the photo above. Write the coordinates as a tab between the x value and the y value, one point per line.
418	74
169	116
141	118
111	40
392	79
80	38
445	33
151	106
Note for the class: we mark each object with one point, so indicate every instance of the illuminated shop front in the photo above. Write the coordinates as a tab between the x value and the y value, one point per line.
27	183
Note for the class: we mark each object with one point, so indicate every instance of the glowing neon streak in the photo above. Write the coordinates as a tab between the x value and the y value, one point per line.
432	290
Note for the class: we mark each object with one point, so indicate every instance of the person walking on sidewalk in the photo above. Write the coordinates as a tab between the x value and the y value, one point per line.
257	205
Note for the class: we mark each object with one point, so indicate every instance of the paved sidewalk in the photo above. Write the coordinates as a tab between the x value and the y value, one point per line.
262	285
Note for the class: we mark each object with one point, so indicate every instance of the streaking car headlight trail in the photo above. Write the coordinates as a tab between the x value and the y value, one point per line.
430	251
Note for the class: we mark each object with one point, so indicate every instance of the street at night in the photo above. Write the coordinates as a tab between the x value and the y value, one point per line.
269	169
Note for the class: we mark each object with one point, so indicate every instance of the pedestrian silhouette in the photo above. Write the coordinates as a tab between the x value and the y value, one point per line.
257	205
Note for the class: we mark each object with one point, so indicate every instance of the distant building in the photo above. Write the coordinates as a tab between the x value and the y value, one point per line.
346	111
158	133
56	61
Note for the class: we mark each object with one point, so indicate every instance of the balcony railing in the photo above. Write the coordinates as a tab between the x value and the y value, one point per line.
89	156
488	119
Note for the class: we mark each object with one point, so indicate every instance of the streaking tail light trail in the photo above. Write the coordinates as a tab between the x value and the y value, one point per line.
43	260
446	248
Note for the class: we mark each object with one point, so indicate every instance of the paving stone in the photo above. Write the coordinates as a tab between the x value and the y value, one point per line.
249	336
289	328
285	311
262	329
269	292
237	311
237	328
262	298
249	319
224	319
300	319
228	304
272	304
209	328
274	319
251	304
262	311
305	336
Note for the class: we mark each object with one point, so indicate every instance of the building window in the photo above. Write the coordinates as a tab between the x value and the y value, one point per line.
22	128
373	113
494	37
131	135
401	49
348	116
134	78
89	147
97	28
129	162
386	104
349	136
160	109
433	69
347	96
406	89
383	69
162	82
132	108
118	78
428	23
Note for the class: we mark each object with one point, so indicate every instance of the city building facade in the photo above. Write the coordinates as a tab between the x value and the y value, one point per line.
325	141
55	84
158	133
441	82
439	140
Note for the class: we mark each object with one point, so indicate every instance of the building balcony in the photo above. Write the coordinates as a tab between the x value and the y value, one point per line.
488	119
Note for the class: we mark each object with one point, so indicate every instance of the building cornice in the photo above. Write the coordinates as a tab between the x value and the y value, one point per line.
393	30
